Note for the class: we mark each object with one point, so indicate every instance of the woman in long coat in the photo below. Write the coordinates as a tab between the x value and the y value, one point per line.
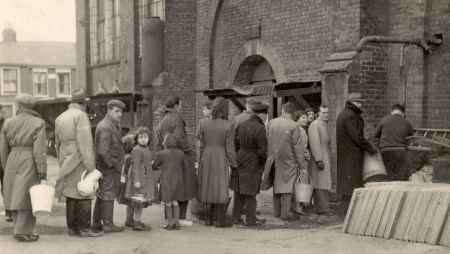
23	148
217	155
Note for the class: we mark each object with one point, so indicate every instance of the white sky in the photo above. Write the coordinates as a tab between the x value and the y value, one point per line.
39	20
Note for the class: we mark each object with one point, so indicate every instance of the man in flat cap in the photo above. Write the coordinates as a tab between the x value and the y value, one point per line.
23	153
351	145
109	158
251	147
75	152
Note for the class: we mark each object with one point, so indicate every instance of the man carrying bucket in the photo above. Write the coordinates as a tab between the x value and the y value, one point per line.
75	150
23	152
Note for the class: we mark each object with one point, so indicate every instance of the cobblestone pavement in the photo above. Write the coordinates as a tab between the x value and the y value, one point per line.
308	235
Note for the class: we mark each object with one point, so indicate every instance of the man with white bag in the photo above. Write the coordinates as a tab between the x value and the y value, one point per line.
75	151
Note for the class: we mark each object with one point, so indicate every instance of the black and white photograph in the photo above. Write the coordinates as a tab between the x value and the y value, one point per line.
225	126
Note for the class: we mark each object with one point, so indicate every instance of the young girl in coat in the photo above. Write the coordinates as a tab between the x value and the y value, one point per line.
170	162
140	185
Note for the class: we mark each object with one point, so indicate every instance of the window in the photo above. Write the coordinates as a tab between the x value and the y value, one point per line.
115	21
101	31
40	84
156	8
10	81
148	8
63	83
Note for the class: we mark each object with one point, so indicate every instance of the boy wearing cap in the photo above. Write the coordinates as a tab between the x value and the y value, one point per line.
109	159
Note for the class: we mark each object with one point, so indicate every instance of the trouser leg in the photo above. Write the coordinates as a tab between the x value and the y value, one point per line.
250	204
237	206
24	222
321	200
276	205
176	213
97	220
286	201
83	214
71	218
130	214
107	212
183	209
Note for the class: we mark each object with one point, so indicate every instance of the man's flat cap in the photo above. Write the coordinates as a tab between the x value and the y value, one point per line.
26	100
79	95
116	103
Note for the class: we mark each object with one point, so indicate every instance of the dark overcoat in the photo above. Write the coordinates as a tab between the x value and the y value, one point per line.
23	152
171	163
109	157
251	145
173	123
351	145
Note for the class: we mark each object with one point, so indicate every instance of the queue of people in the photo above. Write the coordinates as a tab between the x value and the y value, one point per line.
244	155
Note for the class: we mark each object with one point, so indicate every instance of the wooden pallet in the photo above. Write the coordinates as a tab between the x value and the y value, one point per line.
401	210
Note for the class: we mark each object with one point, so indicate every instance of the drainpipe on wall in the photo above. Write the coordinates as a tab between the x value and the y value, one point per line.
426	45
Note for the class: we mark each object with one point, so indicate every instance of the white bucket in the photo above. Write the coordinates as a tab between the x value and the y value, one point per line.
42	196
373	165
303	192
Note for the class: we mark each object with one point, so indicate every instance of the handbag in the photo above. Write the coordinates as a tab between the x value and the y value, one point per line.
303	187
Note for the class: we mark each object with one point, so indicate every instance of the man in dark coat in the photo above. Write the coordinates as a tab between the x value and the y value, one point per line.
351	145
2	121
390	135
251	147
109	160
173	123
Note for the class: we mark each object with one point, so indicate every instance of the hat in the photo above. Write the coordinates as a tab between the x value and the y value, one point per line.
257	106
26	100
355	97
79	95
115	103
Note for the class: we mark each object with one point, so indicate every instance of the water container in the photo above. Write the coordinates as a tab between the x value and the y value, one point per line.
373	165
303	190
42	196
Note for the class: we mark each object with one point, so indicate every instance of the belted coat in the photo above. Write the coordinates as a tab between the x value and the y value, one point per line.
74	149
23	152
251	146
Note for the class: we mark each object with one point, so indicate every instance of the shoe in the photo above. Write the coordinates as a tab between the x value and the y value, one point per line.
73	232
129	224
8	219
139	226
112	229
169	227
186	223
26	238
239	221
90	233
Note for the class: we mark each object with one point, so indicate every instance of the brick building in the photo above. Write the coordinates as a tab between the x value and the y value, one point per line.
110	50
299	50
43	69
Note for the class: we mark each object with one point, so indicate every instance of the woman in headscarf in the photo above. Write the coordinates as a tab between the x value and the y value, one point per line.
216	157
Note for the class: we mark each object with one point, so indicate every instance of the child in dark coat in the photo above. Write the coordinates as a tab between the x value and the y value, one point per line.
140	184
128	145
170	162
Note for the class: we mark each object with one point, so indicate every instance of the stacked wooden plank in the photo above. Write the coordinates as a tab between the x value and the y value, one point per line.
401	210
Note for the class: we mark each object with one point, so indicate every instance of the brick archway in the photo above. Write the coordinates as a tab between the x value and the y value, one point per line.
256	48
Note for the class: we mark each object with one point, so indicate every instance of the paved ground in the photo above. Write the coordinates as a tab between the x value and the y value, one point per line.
309	235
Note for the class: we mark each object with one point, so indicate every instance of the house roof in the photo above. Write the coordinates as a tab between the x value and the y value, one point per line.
38	53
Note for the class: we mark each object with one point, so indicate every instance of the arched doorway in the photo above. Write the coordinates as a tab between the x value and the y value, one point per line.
256	74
